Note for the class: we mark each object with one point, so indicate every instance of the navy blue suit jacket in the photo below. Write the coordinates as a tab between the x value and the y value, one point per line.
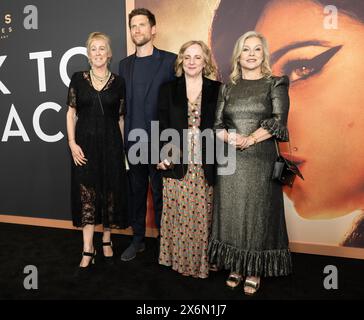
163	72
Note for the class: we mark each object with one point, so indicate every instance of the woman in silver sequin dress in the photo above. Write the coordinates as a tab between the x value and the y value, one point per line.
249	235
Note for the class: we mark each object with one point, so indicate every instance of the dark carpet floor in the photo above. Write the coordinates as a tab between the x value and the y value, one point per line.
57	252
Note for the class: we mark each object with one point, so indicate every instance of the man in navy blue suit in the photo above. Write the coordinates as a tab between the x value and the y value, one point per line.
143	72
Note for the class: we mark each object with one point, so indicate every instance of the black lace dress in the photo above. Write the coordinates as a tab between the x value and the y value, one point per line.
98	188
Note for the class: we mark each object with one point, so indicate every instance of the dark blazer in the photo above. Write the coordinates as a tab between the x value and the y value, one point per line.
173	113
163	72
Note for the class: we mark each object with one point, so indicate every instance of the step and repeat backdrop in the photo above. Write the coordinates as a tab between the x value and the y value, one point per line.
318	44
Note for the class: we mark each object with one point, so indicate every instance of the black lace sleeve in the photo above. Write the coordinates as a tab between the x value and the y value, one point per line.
122	110
72	93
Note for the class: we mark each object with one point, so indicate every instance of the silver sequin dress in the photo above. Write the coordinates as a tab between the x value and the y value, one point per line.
249	234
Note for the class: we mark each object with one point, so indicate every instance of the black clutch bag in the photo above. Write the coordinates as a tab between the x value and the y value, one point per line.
285	171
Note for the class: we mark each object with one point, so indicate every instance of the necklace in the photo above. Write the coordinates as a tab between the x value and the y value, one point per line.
195	102
194	111
98	78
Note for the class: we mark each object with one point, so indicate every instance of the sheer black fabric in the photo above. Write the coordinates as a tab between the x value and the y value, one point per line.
98	188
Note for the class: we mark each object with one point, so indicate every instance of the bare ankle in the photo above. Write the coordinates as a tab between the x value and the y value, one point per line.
88	249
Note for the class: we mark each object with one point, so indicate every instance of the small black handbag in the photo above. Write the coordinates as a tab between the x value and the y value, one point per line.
285	171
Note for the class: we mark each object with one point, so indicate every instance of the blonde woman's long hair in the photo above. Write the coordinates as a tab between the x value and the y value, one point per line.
209	70
236	72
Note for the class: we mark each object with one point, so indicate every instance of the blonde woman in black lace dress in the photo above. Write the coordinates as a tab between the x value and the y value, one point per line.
249	235
94	128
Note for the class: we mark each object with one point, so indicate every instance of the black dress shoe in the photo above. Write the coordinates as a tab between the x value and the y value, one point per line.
108	260
131	251
82	271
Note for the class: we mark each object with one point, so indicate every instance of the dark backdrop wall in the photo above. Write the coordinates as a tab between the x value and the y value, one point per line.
34	156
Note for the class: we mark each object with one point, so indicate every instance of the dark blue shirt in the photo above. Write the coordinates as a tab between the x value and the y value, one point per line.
143	75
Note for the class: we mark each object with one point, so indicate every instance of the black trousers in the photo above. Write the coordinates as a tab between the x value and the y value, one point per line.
139	177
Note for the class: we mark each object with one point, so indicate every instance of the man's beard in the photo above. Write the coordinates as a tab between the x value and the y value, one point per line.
141	42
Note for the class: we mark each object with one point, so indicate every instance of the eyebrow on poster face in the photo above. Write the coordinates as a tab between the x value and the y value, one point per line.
280	52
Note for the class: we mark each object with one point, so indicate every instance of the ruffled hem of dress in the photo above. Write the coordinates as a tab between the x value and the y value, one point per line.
275	129
267	263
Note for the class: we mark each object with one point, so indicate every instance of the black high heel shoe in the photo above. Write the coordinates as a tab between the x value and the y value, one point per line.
81	271
108	260
92	255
